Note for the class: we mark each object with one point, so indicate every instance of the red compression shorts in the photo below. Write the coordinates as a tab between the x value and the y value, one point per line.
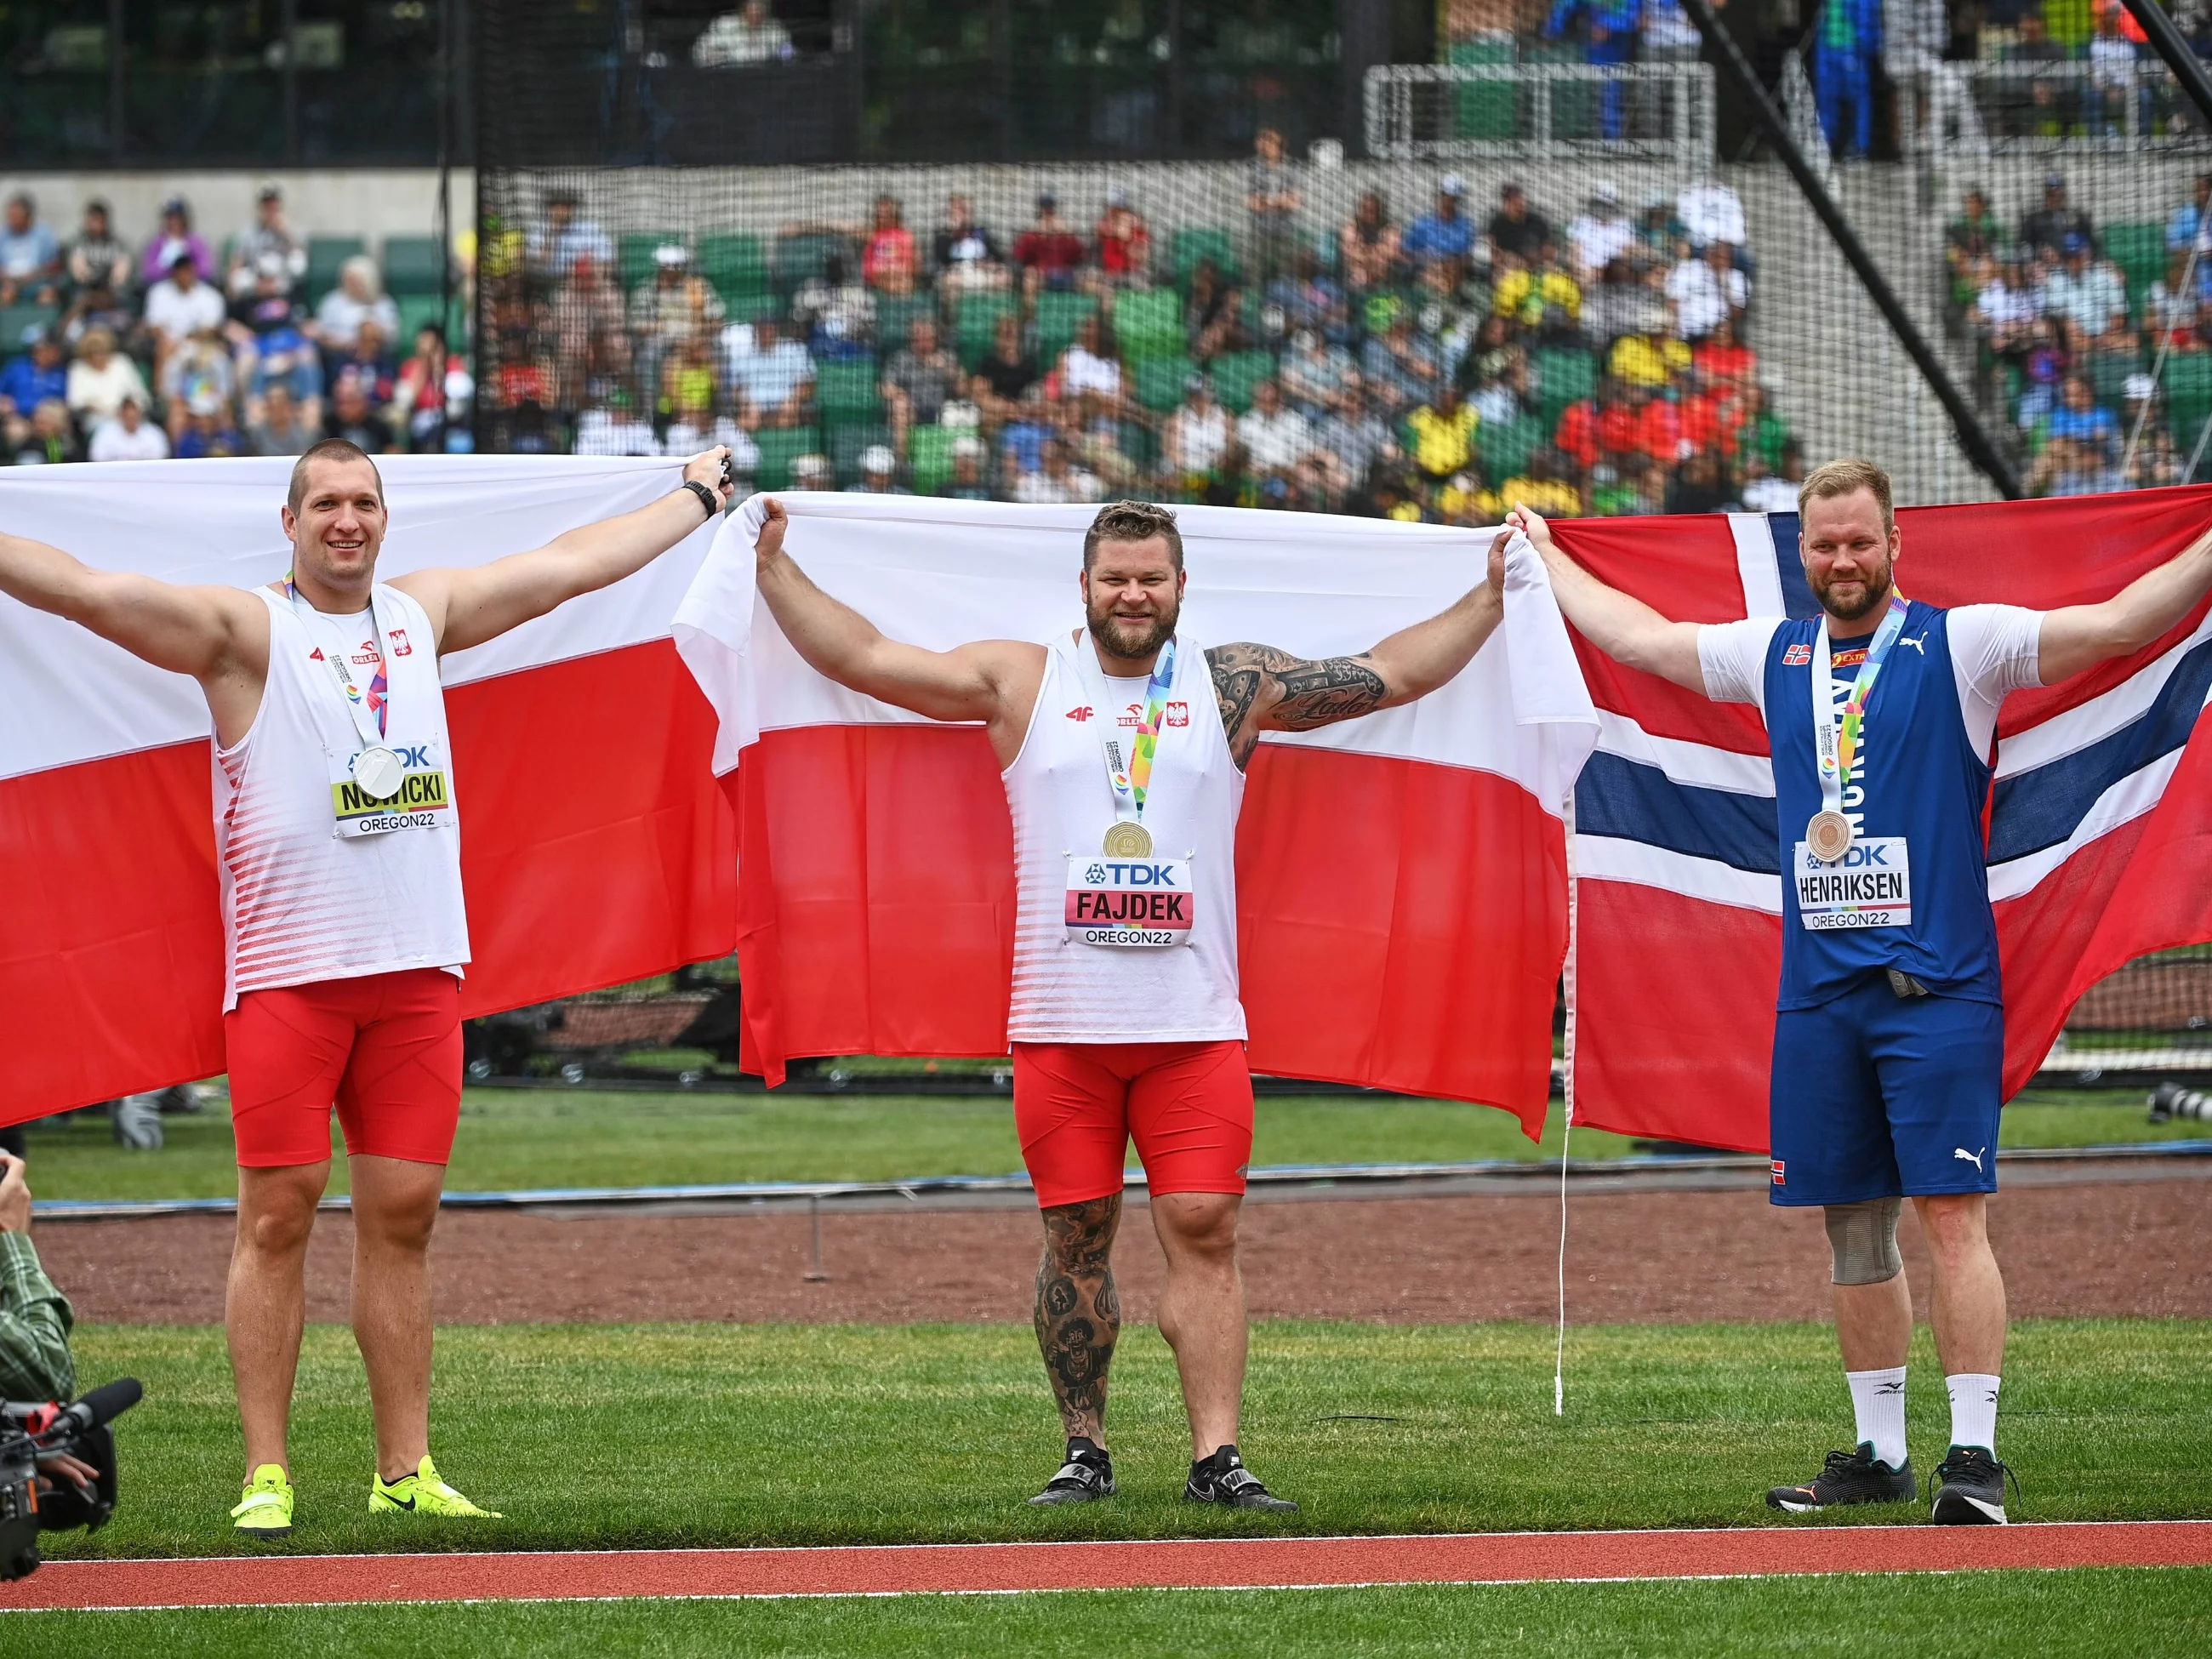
385	1049
1078	1105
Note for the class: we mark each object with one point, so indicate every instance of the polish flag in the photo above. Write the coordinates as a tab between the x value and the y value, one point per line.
594	846
2099	825
1401	878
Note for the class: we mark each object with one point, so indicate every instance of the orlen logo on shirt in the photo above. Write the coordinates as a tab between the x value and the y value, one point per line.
1133	715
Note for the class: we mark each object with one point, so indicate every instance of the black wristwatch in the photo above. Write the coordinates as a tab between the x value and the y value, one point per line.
708	499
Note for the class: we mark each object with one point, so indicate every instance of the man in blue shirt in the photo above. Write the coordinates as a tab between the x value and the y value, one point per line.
1889	1040
27	380
1446	233
1610	29
1847	42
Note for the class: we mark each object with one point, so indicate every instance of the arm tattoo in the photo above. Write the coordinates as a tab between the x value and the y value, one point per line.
1253	683
1078	1312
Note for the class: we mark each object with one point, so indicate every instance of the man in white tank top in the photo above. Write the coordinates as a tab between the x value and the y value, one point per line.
1125	1021
336	832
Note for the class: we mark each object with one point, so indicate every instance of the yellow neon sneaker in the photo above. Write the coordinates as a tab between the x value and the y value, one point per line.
264	1510
422	1494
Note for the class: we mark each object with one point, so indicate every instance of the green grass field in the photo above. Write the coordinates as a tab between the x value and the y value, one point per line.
516	1138
2122	1614
683	1435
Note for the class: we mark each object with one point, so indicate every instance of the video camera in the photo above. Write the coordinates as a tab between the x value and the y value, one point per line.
28	1433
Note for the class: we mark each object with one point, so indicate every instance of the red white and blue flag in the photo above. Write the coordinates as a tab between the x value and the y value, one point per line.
2100	823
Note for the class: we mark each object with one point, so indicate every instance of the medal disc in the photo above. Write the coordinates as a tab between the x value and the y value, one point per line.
379	773
1127	841
1828	836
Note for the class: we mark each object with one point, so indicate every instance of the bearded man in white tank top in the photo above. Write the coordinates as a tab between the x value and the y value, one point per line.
337	838
1124	786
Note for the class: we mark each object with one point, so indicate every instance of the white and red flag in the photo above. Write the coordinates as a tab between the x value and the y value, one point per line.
2099	825
1401	878
595	846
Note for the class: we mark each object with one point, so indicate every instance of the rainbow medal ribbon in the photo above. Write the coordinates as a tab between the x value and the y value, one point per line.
377	770
1130	777
1829	833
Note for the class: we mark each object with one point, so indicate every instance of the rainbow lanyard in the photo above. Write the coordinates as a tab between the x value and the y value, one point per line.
1132	781
1838	742
368	707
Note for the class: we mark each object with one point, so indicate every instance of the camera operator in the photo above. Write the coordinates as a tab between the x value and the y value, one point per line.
34	1315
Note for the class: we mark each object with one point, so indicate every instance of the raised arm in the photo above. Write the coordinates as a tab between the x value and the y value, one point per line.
1624	628
995	681
468	606
2079	637
1262	689
200	631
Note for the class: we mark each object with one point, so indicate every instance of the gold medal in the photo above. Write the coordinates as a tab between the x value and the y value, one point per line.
1828	836
1127	841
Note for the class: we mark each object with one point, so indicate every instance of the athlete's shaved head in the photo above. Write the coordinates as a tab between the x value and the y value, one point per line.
329	449
1132	578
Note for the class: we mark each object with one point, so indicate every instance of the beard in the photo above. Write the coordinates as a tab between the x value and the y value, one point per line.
1133	638
1877	585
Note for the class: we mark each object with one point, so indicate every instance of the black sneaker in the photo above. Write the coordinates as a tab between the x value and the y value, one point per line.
1969	1488
1088	1475
1223	1479
1851	1477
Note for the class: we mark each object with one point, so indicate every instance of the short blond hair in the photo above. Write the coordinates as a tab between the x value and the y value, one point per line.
1848	477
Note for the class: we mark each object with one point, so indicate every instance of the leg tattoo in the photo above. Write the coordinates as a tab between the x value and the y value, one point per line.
1078	1313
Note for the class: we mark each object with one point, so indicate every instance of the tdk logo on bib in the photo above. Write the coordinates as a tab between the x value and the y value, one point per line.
1128	902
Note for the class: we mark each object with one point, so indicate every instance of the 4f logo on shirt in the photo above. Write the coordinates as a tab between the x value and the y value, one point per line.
1082	712
399	645
1797	656
1178	713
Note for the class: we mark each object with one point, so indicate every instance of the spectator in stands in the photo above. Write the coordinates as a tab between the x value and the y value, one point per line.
1764	491
888	257
1538	484
197	370
1403	367
2086	293
1056	481
968	482
2078	420
369	360
614	427
208	429
285	358
1309	298
1698	485
966	256
419	391
1440	433
555	248
1846	46
836	314
359	295
2113	83
1707	212
2186	224
1516	228
591	346
98	258
50	440
1504	394
1274	436
2067	468
283	428
2170	303
1706	291
270	240
742	39
771	381
2050	225
1213	314
1599	235
690	391
1971	243
663	315
918	381
36	375
1271	197
1607	29
1006	371
128	435
1539	296
1444	234
1720	358
878	473
352	418
1311	370
2007	306
1196	435
1618	303
266	305
175	236
30	257
179	308
1088	365
1124	243
1369	243
1353	431
1049	252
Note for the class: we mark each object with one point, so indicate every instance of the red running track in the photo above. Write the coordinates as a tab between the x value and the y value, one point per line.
1225	1563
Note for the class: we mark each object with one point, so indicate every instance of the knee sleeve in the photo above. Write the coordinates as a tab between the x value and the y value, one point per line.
1863	1238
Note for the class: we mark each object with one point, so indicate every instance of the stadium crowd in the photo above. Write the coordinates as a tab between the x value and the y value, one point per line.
2093	342
1420	361
136	350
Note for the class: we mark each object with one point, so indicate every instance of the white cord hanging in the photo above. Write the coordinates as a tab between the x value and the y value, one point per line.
1567	1128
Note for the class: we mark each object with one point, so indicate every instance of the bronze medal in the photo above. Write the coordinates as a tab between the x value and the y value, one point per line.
1828	835
1127	841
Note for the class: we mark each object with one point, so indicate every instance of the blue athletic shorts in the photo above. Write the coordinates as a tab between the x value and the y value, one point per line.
1879	1095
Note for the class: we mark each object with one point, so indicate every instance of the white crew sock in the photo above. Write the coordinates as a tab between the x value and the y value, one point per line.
1974	1410
1878	1398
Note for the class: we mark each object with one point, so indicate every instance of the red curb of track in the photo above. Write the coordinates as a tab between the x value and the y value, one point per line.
1225	1564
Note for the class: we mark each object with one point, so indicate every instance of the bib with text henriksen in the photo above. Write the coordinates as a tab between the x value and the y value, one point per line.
1870	886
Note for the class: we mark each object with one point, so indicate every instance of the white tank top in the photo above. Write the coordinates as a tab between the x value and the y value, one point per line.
300	903
1062	804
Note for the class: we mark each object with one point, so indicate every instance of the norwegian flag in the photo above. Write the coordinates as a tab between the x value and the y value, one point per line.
2099	825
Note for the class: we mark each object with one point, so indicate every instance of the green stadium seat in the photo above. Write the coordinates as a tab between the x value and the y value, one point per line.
803	254
2188	398
1158	382
1191	243
1139	445
1485	109
324	255
1058	316
635	251
416	309
845	445
1148	323
1564	375
894	315
412	265
779	448
1237	373
16	318
978	324
2139	250
849	393
929	457
2108	375
1506	446
735	263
